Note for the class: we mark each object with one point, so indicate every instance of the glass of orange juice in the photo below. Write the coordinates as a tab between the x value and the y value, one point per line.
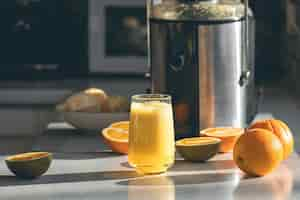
151	133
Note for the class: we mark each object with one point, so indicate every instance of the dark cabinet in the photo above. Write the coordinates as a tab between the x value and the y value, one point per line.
44	33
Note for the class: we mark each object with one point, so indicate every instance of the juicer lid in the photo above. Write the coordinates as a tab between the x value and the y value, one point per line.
200	10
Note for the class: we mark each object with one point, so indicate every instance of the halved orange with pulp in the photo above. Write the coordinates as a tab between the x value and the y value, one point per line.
195	141
116	139
122	125
198	149
228	136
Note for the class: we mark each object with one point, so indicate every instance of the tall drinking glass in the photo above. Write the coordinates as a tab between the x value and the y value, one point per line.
151	134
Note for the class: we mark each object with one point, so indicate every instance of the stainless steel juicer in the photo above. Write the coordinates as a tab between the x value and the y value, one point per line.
202	53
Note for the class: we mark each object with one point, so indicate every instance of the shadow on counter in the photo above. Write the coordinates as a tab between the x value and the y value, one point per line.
85	156
6	180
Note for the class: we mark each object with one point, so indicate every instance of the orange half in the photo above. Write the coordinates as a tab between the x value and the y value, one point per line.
195	141
227	135
121	125
116	139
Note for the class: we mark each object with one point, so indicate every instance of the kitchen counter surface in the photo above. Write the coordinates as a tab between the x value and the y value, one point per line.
83	168
108	176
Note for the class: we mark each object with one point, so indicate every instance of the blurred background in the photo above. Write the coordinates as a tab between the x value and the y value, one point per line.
50	49
59	39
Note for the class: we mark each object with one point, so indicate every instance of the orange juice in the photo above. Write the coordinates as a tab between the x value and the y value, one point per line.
151	136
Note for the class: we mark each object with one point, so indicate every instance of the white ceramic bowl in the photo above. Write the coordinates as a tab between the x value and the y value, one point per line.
93	121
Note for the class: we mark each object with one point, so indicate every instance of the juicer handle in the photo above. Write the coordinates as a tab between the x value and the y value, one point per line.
246	72
244	79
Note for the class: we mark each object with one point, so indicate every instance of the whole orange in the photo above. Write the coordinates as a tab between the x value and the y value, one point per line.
281	130
258	152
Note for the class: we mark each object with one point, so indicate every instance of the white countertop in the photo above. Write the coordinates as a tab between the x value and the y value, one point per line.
108	176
